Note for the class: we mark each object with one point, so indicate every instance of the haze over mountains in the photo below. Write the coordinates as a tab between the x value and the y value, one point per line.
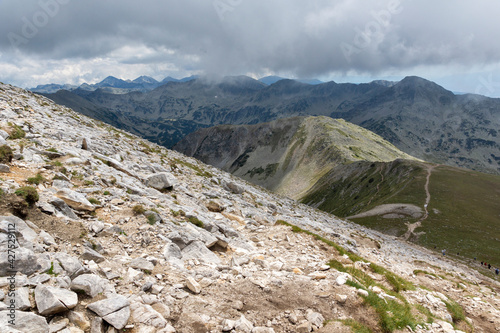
418	116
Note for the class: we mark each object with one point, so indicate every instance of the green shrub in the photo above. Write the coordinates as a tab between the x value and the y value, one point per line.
151	219
6	154
29	194
106	193
94	201
195	221
36	180
138	209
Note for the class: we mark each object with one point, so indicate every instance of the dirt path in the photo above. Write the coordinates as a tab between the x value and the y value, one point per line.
413	226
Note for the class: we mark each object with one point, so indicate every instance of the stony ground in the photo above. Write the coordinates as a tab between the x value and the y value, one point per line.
128	236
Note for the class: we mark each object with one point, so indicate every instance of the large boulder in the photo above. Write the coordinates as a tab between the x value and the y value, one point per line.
114	310
75	200
198	250
51	300
22	322
90	284
161	181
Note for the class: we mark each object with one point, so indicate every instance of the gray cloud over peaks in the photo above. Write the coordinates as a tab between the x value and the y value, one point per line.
45	41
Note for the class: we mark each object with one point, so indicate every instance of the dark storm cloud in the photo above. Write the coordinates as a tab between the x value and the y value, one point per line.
301	38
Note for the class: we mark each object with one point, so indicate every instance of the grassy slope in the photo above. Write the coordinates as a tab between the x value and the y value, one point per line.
467	220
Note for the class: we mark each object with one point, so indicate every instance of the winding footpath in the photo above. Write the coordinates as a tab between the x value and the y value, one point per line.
413	226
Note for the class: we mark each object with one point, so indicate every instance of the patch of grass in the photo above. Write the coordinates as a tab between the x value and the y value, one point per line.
52	150
6	154
36	180
138	209
94	201
174	212
151	219
456	311
296	229
51	269
195	221
106	193
393	314
88	182
397	282
422	309
56	163
356	327
16	132
199	171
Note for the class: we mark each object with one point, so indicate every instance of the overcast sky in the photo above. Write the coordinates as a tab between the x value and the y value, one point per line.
454	43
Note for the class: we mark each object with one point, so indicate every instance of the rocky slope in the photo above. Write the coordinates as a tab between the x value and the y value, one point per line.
287	156
417	116
129	236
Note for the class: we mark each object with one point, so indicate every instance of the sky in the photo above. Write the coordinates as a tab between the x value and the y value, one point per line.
453	43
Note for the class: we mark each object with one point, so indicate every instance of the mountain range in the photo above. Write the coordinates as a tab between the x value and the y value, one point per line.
416	115
112	85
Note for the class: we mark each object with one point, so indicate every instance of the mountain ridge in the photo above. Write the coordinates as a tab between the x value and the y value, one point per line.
416	115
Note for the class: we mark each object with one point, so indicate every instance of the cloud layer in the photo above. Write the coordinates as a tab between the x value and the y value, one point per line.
72	41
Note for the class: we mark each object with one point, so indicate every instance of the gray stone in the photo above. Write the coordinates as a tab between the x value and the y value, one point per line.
59	184
20	226
315	318
304	327
57	324
24	322
119	318
89	254
161	181
4	168
4	135
21	299
243	325
62	207
97	325
25	263
51	300
90	284
145	314
46	238
142	264
70	264
192	285
79	319
198	250
75	200
263	330
233	187
109	305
